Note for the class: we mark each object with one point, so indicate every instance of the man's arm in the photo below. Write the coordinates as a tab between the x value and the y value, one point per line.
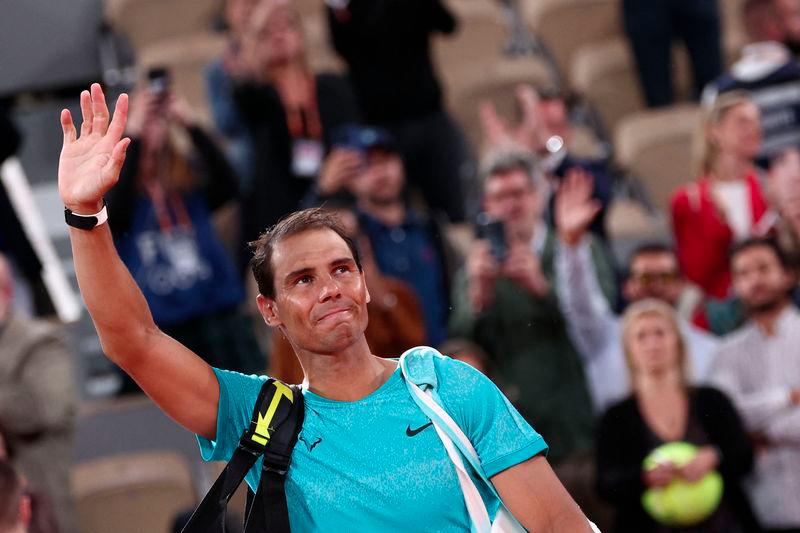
758	408
538	500
181	383
589	316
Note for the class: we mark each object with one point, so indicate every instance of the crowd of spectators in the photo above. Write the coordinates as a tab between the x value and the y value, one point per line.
688	338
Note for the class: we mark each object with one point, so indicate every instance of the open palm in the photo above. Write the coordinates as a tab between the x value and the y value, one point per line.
90	164
574	206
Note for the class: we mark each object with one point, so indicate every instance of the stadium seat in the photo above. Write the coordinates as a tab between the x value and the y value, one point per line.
186	58
655	146
497	83
567	25
319	51
132	493
605	74
145	22
461	58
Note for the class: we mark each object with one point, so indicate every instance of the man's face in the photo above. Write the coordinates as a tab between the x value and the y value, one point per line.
654	275
320	295
382	179
512	198
759	279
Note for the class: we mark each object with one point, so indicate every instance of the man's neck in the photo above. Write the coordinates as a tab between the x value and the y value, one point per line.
347	376
389	213
767	320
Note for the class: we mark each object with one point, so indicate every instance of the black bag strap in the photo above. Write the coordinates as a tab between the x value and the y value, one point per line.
274	427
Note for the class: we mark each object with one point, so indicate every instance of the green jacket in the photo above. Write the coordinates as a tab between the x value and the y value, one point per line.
539	367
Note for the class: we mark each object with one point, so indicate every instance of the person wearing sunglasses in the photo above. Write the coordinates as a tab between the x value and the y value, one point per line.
653	272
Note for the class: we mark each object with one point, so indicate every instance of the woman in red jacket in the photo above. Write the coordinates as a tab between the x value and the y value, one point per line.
726	202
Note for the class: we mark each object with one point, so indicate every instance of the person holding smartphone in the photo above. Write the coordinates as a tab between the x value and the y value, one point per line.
505	301
174	178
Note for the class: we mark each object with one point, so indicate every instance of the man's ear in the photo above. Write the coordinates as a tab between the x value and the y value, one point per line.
268	310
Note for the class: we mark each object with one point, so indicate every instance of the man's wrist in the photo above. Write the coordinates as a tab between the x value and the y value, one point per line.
86	208
83	220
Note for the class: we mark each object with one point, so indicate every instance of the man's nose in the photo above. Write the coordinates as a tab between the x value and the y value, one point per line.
330	290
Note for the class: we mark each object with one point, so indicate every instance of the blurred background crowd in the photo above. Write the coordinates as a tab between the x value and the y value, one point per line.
595	202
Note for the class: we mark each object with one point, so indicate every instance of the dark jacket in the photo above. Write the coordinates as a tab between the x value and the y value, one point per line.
386	44
276	190
624	440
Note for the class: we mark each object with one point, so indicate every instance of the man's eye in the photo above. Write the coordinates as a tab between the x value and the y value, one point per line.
342	269
303	280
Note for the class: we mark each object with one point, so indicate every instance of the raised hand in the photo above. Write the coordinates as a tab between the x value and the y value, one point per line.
90	164
574	206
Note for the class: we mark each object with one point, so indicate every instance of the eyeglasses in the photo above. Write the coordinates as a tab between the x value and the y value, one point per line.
650	278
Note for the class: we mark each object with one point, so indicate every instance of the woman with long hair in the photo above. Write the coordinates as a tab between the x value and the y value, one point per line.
293	114
173	180
661	409
725	204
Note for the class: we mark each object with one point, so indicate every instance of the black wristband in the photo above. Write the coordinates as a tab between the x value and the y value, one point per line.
86	222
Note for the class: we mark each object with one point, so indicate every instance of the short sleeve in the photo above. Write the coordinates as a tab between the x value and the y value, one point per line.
237	398
498	432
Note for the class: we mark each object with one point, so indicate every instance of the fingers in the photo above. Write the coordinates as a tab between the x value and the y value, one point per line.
112	168
117	126
99	110
86	112
68	127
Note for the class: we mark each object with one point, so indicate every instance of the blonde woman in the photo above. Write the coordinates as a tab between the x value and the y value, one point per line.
663	408
725	204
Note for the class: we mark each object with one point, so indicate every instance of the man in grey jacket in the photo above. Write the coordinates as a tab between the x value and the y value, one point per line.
37	400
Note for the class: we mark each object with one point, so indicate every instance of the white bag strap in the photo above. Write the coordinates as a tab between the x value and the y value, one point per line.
472	498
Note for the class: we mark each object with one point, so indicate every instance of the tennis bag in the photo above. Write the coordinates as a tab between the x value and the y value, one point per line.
274	428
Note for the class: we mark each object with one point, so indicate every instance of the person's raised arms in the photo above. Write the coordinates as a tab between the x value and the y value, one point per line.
181	383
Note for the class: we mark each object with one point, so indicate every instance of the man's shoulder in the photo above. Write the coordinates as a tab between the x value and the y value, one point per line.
31	330
733	345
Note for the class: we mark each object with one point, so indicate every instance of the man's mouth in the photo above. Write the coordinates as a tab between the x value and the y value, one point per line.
333	312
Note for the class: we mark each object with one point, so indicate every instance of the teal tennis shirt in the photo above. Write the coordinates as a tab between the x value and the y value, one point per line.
376	464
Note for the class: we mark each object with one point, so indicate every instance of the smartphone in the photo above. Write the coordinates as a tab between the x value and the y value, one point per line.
158	81
493	231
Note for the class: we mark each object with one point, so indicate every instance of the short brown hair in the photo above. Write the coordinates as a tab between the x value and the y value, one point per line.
293	224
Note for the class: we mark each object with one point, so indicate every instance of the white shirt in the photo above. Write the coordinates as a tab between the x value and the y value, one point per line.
597	333
758	372
735	199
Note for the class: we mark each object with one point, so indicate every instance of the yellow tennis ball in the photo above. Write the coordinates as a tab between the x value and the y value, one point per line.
681	503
